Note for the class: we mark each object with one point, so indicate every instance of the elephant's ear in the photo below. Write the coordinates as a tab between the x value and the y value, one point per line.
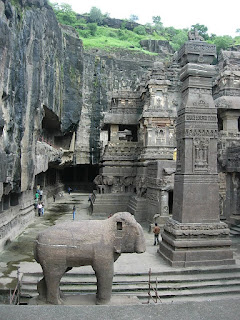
118	237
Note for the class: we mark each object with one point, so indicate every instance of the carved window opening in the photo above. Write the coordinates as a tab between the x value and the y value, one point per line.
14	197
161	134
6	202
119	225
220	123
128	132
170	201
1	207
239	124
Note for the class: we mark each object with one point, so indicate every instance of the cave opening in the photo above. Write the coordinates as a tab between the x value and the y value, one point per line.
80	177
51	131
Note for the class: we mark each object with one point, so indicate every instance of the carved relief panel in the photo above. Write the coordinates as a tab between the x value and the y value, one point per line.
200	154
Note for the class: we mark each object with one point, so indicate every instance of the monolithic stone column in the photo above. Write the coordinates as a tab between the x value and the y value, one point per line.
195	236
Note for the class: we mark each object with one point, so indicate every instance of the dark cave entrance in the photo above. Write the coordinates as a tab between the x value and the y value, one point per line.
80	177
170	201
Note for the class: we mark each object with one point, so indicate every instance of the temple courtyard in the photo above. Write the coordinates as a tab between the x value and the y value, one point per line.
144	285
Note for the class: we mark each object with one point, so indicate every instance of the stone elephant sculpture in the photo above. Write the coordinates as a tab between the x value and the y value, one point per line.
98	243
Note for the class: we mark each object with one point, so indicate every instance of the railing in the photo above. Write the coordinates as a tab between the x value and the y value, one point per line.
14	298
48	141
155	296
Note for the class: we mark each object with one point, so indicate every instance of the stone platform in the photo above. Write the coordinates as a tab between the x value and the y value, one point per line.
90	300
131	270
210	310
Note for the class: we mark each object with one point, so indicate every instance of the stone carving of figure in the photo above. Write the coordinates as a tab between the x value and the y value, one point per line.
141	187
108	181
97	243
194	35
98	179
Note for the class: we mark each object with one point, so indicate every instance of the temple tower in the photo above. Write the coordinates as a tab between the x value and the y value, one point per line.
195	236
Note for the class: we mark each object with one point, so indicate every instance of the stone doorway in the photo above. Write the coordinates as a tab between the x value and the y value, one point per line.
80	177
170	201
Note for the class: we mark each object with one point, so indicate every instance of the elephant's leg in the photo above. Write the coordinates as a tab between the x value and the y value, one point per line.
60	292
53	275
42	289
104	275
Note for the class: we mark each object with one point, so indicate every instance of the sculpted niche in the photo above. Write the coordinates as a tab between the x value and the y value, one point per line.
98	243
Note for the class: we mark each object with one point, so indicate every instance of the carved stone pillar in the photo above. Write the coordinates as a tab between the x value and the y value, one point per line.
230	120
195	236
164	203
114	132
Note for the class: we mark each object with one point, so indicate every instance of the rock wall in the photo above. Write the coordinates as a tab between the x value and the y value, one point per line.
49	86
41	67
105	73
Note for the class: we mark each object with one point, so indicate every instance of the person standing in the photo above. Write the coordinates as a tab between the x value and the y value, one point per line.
74	212
42	209
41	194
36	195
39	209
156	231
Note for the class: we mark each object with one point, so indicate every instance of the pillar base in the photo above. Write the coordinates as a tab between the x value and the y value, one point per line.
196	244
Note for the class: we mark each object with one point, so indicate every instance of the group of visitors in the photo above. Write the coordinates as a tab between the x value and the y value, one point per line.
38	201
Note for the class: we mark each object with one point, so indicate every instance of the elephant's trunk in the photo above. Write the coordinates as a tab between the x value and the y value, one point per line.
140	245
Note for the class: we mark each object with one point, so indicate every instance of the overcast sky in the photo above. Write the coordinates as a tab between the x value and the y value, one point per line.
221	18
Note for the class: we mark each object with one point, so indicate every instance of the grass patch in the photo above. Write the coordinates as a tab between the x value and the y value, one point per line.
107	38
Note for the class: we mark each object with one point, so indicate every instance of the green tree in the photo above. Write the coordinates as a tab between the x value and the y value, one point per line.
158	26
96	15
64	13
179	39
157	20
170	32
133	18
223	42
140	30
202	30
93	28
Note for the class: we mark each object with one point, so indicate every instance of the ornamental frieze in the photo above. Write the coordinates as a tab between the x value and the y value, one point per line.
196	229
201	103
190	133
197	47
125	110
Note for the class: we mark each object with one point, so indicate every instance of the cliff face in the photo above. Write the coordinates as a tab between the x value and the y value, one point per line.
52	99
105	73
41	69
50	88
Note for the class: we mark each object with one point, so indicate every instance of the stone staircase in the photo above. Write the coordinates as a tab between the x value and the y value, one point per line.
137	206
235	230
107	203
177	285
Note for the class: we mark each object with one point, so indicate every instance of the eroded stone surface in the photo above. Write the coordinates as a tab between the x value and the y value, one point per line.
96	243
